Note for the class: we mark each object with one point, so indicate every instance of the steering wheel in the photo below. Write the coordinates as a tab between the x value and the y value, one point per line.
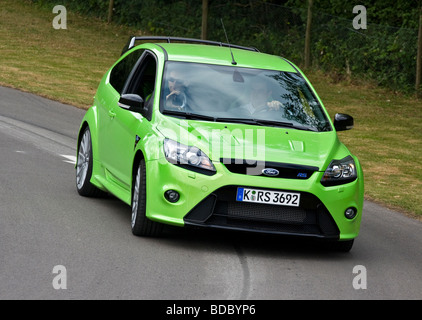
179	100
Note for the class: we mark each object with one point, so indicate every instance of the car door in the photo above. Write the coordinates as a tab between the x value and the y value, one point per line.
125	125
107	100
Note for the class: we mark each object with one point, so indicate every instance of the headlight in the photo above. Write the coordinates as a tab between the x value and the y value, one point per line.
339	172
187	156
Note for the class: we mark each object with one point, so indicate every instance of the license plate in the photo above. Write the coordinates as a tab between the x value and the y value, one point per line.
268	196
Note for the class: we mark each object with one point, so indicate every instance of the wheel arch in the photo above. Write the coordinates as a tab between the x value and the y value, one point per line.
89	120
84	125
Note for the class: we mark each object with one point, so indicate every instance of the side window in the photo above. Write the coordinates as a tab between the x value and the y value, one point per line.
143	81
122	70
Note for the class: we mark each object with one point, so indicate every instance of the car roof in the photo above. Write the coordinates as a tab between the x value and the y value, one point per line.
210	54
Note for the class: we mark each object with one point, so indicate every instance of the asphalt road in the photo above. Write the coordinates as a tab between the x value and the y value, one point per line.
44	223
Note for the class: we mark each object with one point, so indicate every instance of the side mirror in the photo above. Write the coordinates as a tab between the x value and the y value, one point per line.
131	102
343	122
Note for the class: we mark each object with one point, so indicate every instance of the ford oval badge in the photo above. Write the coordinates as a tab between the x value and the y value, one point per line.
270	172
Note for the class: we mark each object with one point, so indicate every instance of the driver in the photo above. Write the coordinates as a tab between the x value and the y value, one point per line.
175	98
260	100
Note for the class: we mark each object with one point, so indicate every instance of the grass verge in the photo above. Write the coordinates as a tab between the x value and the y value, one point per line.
67	65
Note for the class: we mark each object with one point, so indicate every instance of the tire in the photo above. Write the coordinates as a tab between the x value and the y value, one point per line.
343	246
84	167
141	225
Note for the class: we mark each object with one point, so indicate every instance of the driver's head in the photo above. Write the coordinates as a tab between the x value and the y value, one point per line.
260	92
174	80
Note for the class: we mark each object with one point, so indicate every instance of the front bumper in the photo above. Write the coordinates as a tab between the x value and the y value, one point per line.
210	201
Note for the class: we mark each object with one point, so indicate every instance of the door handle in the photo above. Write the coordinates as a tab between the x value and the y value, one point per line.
111	114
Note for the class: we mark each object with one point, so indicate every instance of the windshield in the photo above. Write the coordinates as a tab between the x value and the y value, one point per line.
232	94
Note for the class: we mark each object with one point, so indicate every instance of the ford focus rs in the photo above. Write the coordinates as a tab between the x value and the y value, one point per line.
205	134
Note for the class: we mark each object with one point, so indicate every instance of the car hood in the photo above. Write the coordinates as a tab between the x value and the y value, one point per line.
250	142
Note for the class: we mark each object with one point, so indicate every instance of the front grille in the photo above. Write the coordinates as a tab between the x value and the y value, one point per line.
221	210
255	168
262	212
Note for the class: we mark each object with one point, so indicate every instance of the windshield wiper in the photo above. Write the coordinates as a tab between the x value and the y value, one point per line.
274	123
189	115
237	120
196	116
284	124
260	122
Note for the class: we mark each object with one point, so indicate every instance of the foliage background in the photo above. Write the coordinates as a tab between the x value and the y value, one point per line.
384	52
67	65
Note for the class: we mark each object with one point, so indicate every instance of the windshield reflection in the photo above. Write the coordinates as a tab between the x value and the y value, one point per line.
230	93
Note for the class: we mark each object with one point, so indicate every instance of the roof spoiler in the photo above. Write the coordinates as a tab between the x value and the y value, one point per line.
131	43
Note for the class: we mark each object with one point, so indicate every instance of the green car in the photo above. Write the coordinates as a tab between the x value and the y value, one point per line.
206	134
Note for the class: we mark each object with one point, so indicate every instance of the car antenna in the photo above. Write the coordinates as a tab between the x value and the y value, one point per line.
227	38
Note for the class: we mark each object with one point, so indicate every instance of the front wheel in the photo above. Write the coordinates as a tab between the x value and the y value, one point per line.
344	246
84	167
141	225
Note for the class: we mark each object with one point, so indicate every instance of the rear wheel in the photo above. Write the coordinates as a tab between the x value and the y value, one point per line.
141	225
